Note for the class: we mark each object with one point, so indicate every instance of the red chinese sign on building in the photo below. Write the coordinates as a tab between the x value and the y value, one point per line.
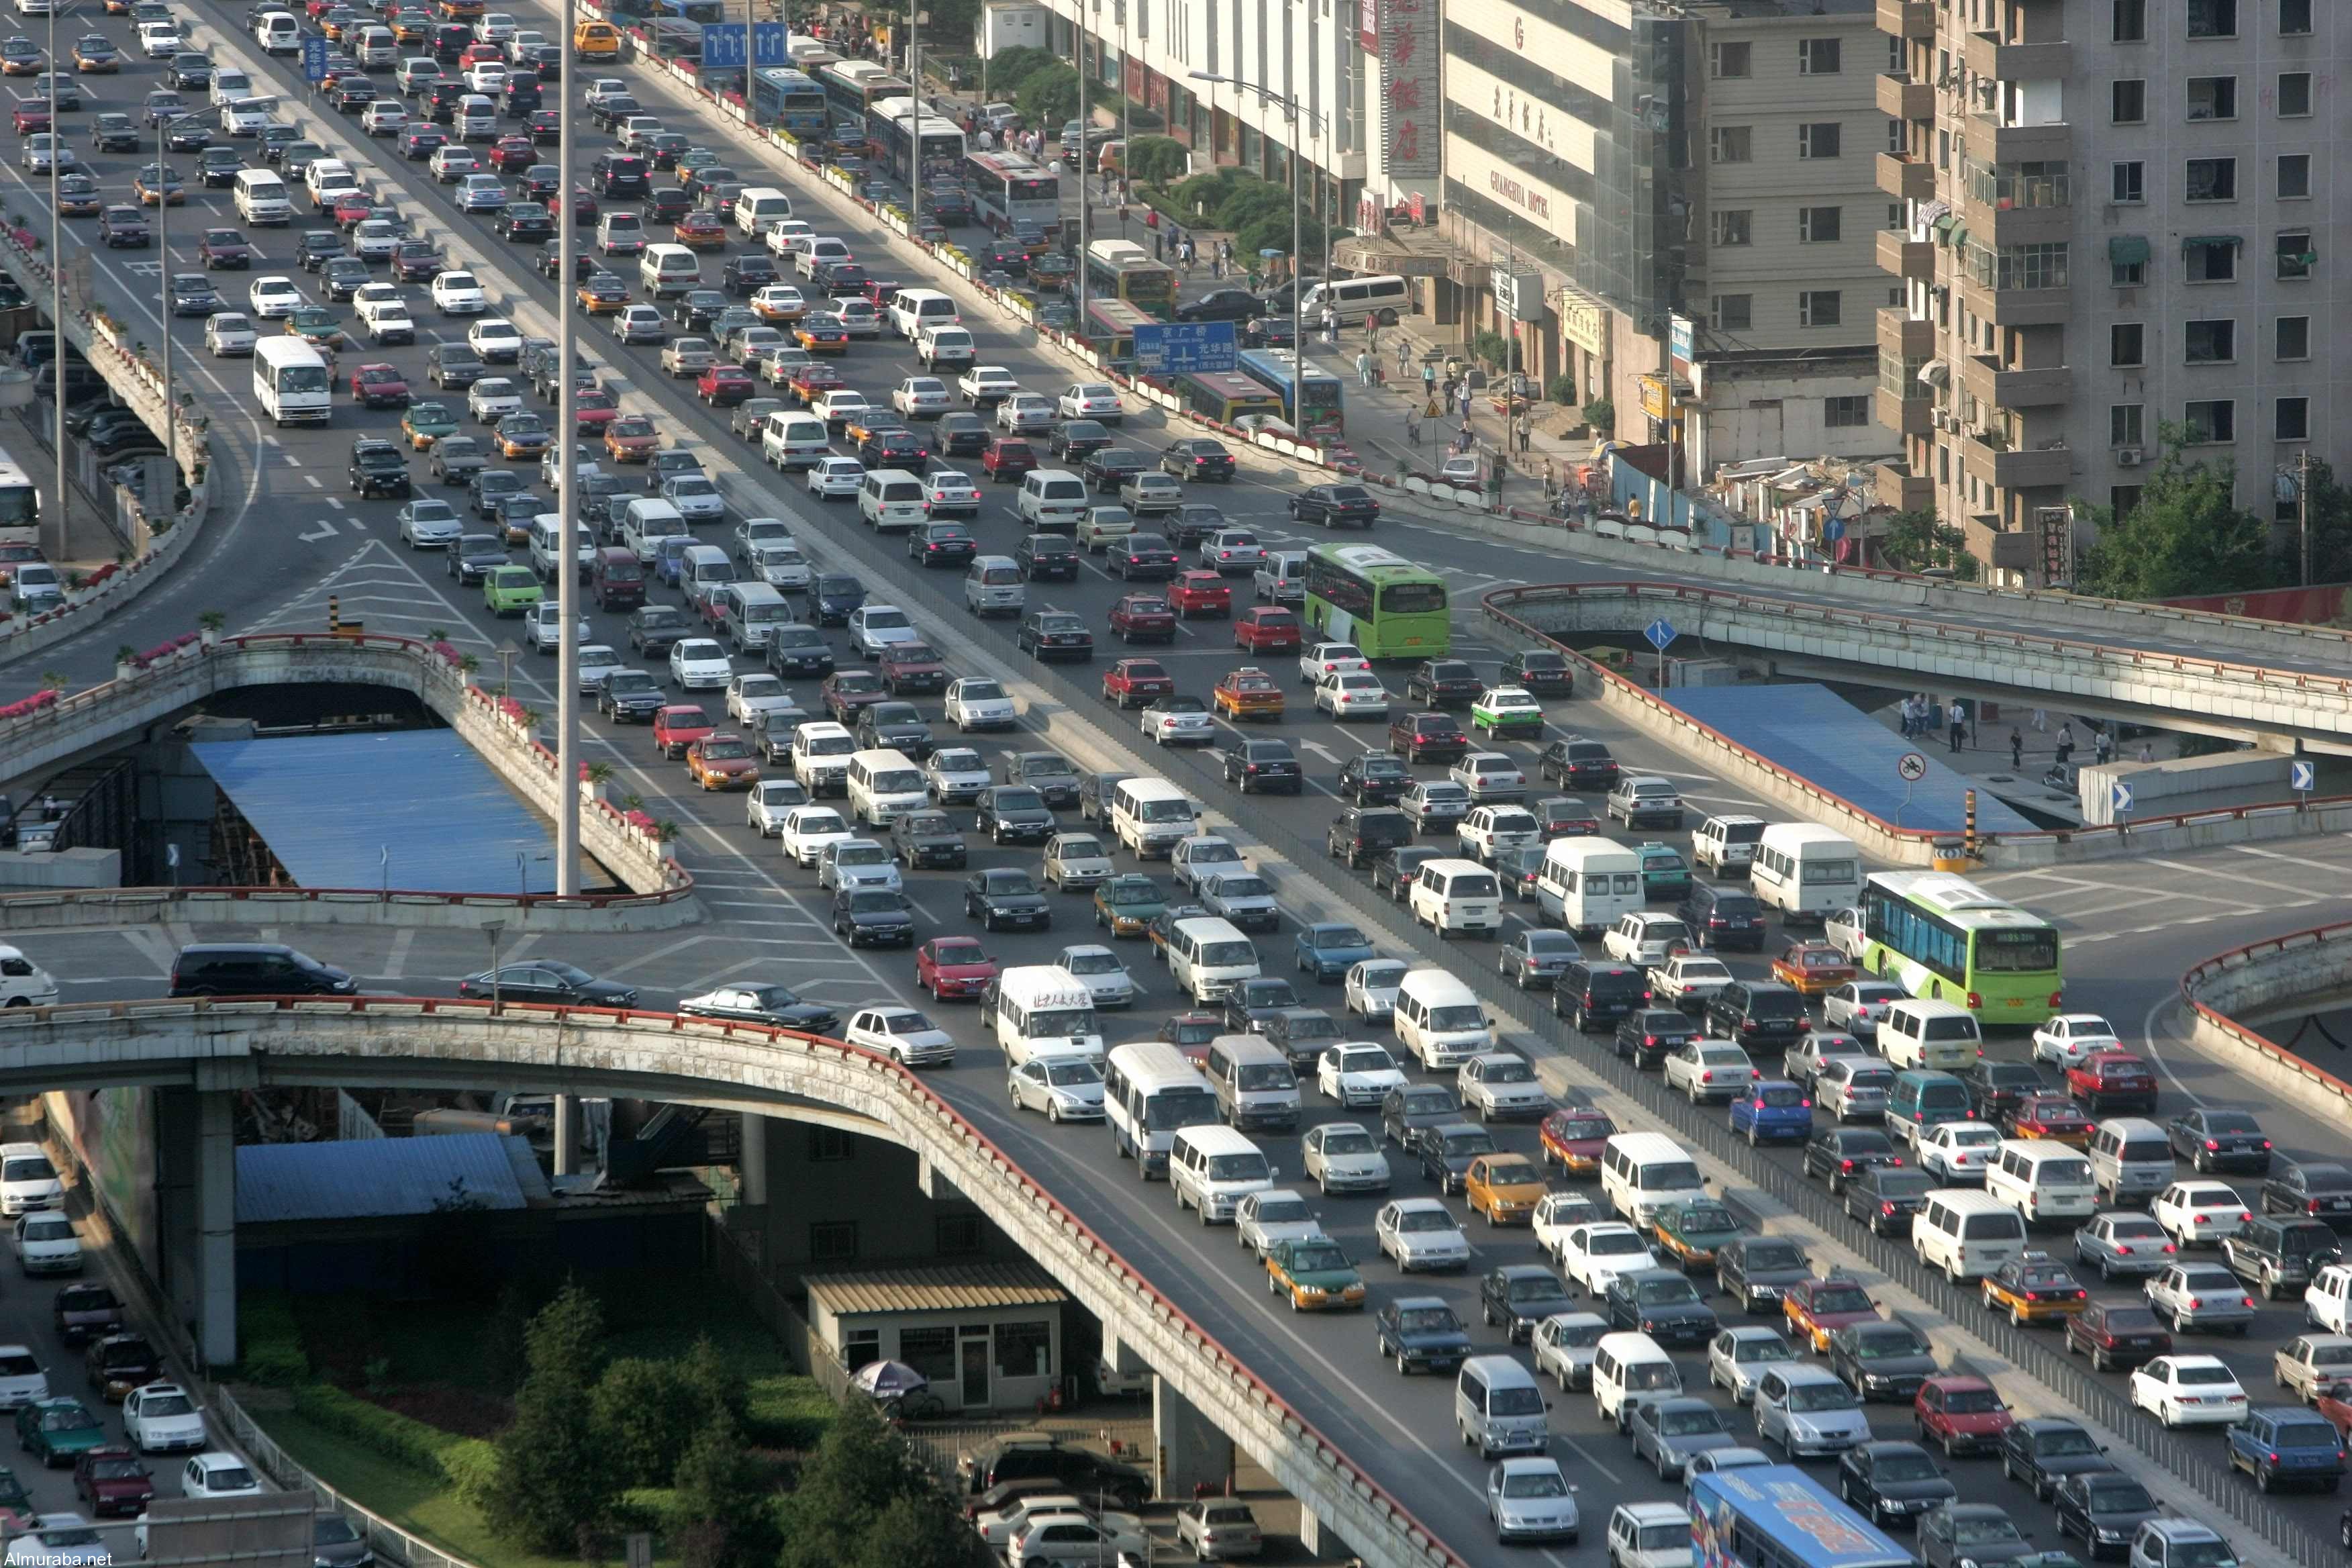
1406	46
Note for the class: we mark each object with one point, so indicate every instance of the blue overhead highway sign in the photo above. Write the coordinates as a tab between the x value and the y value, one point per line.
1185	347
771	43
314	59
725	46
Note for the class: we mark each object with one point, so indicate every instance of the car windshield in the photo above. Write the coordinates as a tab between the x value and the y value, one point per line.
1842	1298
1884	1344
1306	1259
2116	1495
1349	1141
2203	1554
2202	1376
1665	1292
1426	1219
1818	1396
1613	1244
67	1418
1689	1423
1097	962
1534	1484
1983	1530
2064	1441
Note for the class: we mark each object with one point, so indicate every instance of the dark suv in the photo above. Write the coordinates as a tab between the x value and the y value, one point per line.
1362	832
377	468
1722	917
1025	1456
1596	993
2274	1255
1757	1012
255	969
1441	682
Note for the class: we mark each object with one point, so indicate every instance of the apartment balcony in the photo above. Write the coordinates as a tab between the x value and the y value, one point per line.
1907	18
2015	469
1988	55
1901	337
1990	382
1905	99
1905	178
1990	141
1904	256
1903	490
1906	416
2003	224
2019	307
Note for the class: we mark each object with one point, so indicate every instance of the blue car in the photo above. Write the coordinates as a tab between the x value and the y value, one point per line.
2287	1445
1328	948
1773	1110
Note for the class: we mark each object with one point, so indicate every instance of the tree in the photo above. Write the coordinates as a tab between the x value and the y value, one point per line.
555	1477
918	1529
1157	158
2186	534
2330	509
859	1468
645	1416
725	1506
1918	541
1049	96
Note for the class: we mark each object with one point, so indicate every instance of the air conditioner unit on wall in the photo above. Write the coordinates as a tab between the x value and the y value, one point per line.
2127	456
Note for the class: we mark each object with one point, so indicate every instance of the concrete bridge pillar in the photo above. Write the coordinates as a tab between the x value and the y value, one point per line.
176	1200
1319	1539
567	1135
751	1164
216	1226
1192	1453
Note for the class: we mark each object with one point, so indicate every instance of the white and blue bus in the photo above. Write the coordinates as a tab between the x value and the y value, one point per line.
1776	1516
892	126
790	101
20	504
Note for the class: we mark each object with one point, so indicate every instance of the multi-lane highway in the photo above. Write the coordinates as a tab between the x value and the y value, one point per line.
2131	926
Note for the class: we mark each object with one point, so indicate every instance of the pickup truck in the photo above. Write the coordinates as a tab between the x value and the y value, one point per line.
387	321
1688	981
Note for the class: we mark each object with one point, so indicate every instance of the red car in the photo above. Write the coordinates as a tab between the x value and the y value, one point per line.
1007	458
352	208
812	382
1965	1415
113	1481
1816	1309
699	231
953	966
911	666
1132	682
723	386
582	206
31	116
225	247
1143	617
380	386
2106	1082
1268	630
679	725
512	154
1201	594
479	54
1573	1139
1191	1033
631	440
844	692
593	408
880	291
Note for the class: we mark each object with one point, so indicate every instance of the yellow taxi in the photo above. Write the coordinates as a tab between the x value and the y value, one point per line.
864	422
1315	1273
2034	1289
1506	1188
1248	692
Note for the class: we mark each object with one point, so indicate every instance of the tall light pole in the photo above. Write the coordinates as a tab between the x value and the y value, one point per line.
1078	321
1291	110
58	291
567	503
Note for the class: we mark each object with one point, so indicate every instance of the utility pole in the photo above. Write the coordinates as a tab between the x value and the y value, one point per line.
59	531
1078	323
567	509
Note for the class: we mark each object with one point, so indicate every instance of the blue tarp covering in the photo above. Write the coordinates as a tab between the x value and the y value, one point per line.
331	806
1818	735
366	1177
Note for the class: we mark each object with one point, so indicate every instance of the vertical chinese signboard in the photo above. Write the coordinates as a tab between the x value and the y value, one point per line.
1406	46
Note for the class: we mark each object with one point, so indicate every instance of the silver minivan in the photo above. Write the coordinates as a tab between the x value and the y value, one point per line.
1254	1084
1499	1407
2131	1159
992	586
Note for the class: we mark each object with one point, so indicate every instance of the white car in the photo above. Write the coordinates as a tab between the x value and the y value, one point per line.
1497	1086
1091	400
807	829
1075	860
496	339
374	238
457	293
542	626
1845	931
873	627
920	397
1371	989
274	298
494	27
1024	411
858	863
700	664
1592	1255
218	1475
986	384
159	40
1858	1006
1735	1357
950	491
2066	1040
753	533
1565	1345
61	1540
1203	856
1263	1219
1075	1541
597	660
1645	939
1351	694
22	1380
1060	1088
494	397
520	45
781	566
906	1035
751	695
2189	1391
954	775
46	1244
836	406
1421	1233
779	299
383	118
1708	1069
785	238
1557	1214
2200	1214
1957	1152
1356	1074
1101	972
1528	1499
1343	1157
489	78
696	497
158	1417
452	163
835	478
430	523
978	702
1232	549
640	324
229	336
771	800
1489	775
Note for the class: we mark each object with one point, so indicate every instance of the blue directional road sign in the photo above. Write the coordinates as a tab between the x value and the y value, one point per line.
2301	777
771	43
1185	347
2122	801
725	46
1660	632
314	59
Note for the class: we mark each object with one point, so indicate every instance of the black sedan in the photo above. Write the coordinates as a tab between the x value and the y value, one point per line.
193	294
1413	1112
699	308
474	554
1335	506
927	837
316	247
893	449
1073	439
2219	1141
546	980
1049	635
523	220
1198	457
1013	814
761	1004
1518	1296
1006	896
1263	765
1662	1303
1221	305
873	916
654	629
1107	468
745	276
959	435
1251	1003
941	544
1891	1483
1883	1362
1421	1331
1539	671
2104	1509
1447	1151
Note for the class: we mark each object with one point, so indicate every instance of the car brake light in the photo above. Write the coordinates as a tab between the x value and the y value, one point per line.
2169	1247
2204	1219
1845	1164
2267	1143
2245	1219
1885	1208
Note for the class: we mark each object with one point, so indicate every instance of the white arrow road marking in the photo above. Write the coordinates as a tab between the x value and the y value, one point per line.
326	529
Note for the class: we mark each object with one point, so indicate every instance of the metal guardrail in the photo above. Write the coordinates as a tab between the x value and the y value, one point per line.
386	1539
2239	962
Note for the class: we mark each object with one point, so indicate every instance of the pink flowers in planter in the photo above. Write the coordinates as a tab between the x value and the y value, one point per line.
29	706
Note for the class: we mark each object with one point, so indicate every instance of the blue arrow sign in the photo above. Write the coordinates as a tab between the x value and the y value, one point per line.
1185	348
2122	800
1660	632
725	46
314	59
771	43
2301	776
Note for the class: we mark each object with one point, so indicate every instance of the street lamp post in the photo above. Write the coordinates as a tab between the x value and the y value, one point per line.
1291	110
567	504
57	290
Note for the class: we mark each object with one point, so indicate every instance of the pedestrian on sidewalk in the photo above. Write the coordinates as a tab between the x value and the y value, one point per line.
1550	482
2103	747
1216	269
1466	408
1404	355
1959	725
2065	743
2041	723
1412	429
1526	428
2016	749
2146	751
1363	368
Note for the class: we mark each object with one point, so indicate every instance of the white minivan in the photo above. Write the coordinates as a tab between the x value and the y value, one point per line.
1939	1034
1498	1408
882	783
1354	301
790	439
890	499
912	309
260	198
1213	1169
23	982
760	205
1450	896
1630	1370
2043	1180
1641	1173
1439	1020
1586	883
666	269
1806	871
1208	957
1152	817
1051	501
1965	1234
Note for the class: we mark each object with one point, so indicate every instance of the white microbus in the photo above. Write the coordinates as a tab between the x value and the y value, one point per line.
289	381
1805	871
1150	1090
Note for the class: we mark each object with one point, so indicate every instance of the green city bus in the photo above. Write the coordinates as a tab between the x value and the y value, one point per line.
1378	600
1944	938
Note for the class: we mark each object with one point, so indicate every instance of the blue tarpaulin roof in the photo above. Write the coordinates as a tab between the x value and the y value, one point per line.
368	1177
1818	735
330	807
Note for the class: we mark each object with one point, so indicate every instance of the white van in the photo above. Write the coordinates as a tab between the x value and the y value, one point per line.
278	31
325	177
2042	1179
883	782
760	205
23	982
1965	1234
1356	299
1213	1169
889	500
992	586
790	439
1631	1370
262	199
702	571
1253	1083
1051	501
2131	1159
1726	843
1036	1009
666	269
1641	1173
1586	883
1498	1408
821	753
940	347
475	118
1939	1034
378	49
1450	895
1151	1091
751	612
1439	1020
1208	957
290	382
1152	817
912	309
547	548
1806	871
646	522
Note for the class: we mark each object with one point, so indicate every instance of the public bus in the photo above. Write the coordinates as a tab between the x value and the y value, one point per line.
1777	1516
1944	938
1109	331
852	87
1280	371
790	101
1226	396
1007	187
892	125
1122	269
1380	601
20	504
1151	1091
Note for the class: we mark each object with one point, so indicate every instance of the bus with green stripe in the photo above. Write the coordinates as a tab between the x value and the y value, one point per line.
1942	937
1378	600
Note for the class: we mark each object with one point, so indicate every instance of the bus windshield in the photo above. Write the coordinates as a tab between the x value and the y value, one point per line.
302	378
1171	1110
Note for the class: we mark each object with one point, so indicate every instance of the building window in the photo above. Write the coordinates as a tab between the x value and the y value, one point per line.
1025	1350
2213	19
860	1346
2294	19
2130	97
2212	98
832	1241
1897	142
1818	139
958	1234
1895	61
2295	176
2212	343
2127	182
2131	21
1818	308
2019	267
2210	260
1731	312
827	1144
2123	500
930	1351
1732	225
1845	413
2213	180
1727	62
2125	422
2126	344
2291	338
1818	226
1730	144
1817	57
2213	423
2293	420
2295	256
2127	272
1894	218
2294	95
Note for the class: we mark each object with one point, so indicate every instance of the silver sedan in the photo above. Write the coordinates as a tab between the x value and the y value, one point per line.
1058	1088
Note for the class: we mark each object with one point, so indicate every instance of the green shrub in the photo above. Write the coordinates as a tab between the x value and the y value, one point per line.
388	1433
472	1465
1010	68
1156	158
788	1411
270	1340
645	1415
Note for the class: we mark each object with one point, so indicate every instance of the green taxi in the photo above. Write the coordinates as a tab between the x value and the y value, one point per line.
509	590
426	423
1506	710
1691	1233
1664	873
1315	1274
1125	903
58	1430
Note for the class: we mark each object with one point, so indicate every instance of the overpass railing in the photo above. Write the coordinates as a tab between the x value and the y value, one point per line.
2264	975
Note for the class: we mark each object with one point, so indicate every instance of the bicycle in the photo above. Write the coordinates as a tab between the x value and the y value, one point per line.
922	1405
